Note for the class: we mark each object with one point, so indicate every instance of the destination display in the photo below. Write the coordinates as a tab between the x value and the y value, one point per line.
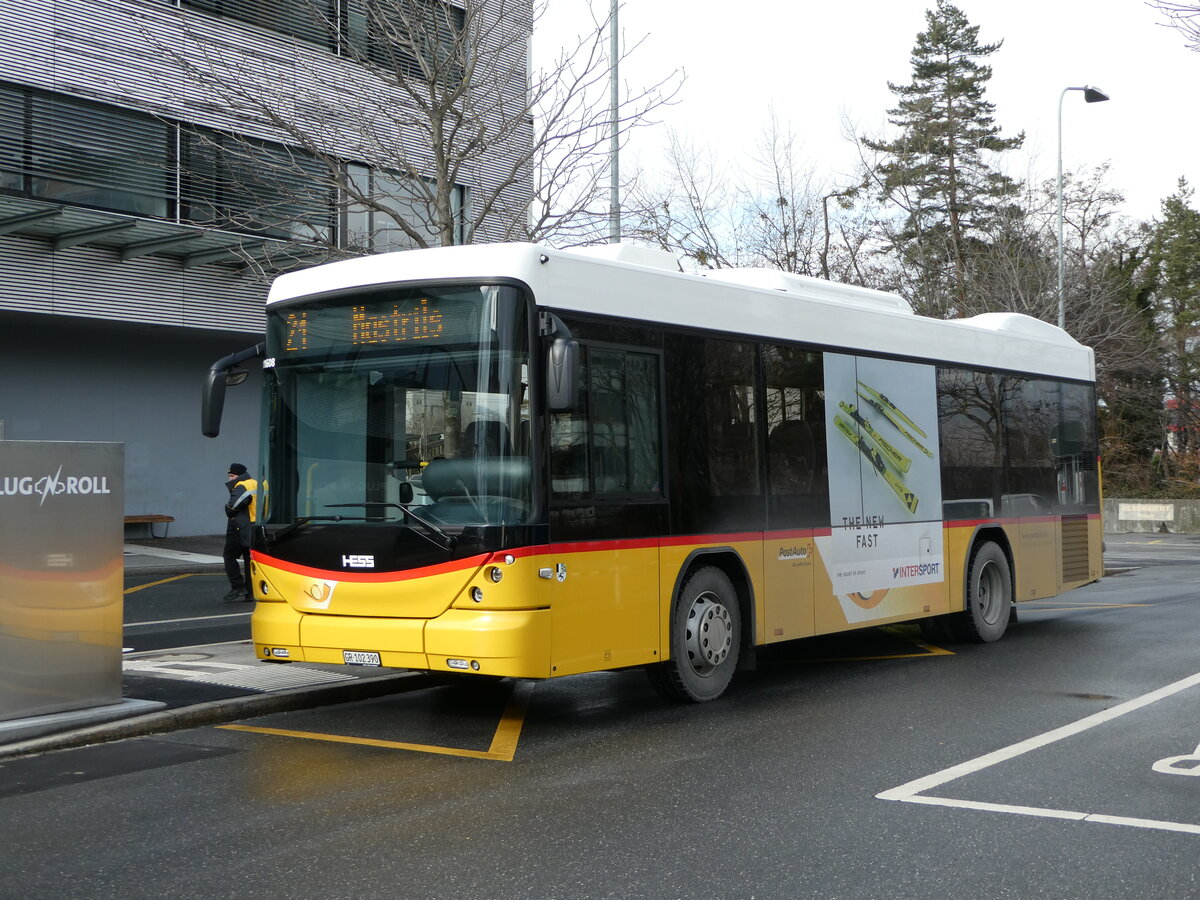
401	318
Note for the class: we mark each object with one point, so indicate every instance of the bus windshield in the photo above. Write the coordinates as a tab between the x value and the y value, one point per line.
397	404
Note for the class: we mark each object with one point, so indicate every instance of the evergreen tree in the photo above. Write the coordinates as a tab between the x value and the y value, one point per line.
936	169
1175	264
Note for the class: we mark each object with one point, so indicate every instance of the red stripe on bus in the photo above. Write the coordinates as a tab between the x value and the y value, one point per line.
688	540
456	565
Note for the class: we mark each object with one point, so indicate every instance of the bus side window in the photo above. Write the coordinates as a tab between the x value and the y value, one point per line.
610	445
797	460
570	474
731	419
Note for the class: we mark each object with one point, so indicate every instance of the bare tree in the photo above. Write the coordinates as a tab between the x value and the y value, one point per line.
694	210
426	127
770	211
1015	269
787	215
1183	17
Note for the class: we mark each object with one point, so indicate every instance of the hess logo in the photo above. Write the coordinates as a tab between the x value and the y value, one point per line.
358	561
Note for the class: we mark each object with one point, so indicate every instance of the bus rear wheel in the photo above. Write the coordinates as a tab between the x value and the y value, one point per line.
706	635
989	599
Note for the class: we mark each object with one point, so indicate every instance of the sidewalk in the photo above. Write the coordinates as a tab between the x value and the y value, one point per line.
175	555
192	687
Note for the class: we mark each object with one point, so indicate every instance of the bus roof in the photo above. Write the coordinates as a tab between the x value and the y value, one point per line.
640	284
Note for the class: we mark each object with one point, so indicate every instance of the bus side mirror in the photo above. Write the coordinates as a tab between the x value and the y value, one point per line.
220	374
562	375
213	403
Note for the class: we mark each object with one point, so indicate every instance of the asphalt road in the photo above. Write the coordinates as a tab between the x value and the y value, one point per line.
1059	762
164	611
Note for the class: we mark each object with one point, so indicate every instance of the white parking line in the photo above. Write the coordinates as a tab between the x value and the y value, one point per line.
913	791
241	615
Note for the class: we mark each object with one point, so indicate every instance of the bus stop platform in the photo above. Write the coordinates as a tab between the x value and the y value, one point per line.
176	555
198	686
189	687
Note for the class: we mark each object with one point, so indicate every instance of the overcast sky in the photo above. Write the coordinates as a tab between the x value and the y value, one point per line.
818	63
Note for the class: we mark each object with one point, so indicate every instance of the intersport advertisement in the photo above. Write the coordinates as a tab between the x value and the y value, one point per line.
885	495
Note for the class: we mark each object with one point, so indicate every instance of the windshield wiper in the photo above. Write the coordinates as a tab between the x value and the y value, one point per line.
304	520
434	535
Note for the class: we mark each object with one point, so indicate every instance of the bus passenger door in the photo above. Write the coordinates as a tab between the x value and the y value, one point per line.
607	511
605	609
797	488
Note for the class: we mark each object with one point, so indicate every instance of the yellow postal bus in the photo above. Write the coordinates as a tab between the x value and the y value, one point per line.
517	461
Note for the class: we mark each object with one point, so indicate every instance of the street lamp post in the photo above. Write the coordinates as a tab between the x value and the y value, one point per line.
1091	95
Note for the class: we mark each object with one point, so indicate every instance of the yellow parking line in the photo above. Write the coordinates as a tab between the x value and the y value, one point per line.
142	587
1066	607
930	650
503	746
504	742
1026	604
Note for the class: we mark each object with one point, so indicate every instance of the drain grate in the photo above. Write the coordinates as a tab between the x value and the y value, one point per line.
251	678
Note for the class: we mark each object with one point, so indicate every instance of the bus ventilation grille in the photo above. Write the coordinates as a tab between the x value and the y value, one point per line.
1074	548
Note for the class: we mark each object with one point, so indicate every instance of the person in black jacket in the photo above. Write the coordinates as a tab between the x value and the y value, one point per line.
240	515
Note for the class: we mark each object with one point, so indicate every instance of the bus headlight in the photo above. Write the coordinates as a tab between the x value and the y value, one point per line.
477	594
495	574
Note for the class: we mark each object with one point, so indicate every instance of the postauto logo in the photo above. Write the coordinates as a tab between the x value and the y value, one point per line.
44	486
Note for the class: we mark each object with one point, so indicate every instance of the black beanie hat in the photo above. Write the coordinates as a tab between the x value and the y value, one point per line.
237	469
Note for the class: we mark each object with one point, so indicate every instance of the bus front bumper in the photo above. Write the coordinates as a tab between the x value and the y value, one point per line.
513	643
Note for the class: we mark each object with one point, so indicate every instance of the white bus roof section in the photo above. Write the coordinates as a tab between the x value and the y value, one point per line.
641	284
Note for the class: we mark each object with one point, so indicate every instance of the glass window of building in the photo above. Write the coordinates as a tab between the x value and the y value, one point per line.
317	21
378	228
87	154
234	183
12	133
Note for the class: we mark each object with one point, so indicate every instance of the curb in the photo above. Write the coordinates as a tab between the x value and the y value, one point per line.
216	712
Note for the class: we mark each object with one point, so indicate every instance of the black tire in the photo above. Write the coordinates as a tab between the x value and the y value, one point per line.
989	600
706	637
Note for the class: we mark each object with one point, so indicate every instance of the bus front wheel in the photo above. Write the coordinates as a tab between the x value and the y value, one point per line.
706	634
989	597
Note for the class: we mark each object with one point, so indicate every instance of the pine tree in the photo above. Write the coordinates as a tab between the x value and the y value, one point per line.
1175	264
936	168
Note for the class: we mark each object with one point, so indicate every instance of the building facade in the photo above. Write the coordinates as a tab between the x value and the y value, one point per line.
144	207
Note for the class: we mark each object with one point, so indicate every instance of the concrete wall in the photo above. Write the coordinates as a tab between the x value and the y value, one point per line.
1175	516
65	379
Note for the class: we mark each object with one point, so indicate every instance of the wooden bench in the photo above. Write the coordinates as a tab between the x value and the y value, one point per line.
151	520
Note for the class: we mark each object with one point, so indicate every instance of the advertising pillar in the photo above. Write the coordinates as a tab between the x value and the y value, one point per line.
61	576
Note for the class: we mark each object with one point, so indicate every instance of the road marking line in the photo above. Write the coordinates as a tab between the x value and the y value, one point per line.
192	619
142	587
142	654
911	791
930	650
1046	813
1024	607
237	675
502	748
1025	604
508	732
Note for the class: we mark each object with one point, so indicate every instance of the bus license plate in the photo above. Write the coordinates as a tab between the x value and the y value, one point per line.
360	658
